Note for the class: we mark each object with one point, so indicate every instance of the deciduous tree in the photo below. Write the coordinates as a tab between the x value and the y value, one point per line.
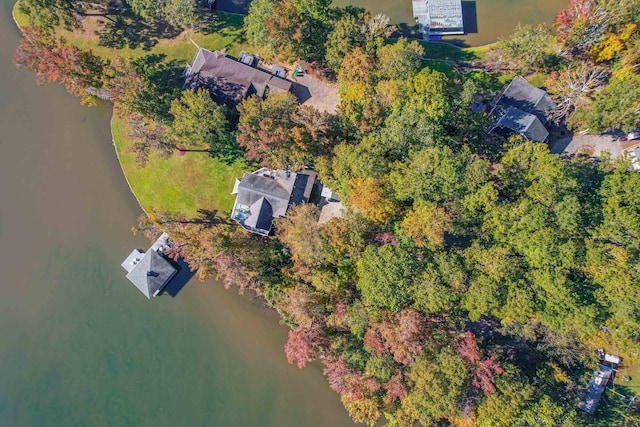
385	276
199	123
51	13
438	387
345	36
53	60
148	138
369	197
614	107
399	60
426	224
256	29
527	48
571	88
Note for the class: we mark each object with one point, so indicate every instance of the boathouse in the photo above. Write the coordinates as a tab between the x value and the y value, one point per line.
150	271
437	18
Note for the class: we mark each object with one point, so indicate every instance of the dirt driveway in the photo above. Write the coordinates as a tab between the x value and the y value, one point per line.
321	95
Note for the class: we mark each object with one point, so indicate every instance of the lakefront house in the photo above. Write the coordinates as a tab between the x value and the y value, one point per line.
230	81
521	109
267	194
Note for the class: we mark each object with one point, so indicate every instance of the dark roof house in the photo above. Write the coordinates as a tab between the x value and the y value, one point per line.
267	194
595	389
521	108
231	81
150	271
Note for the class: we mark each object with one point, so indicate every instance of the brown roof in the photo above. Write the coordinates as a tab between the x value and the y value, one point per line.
231	81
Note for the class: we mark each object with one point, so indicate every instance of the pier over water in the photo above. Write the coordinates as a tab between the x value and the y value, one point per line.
437	18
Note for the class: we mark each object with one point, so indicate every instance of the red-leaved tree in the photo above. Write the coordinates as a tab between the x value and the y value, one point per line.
303	345
482	376
404	335
54	61
396	388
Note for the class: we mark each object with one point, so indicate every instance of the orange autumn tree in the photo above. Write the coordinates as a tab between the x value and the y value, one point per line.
369	197
54	61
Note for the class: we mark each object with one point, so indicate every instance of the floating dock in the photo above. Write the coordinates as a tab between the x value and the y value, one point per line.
438	17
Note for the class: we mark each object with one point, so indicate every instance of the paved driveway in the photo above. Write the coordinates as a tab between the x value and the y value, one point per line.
592	145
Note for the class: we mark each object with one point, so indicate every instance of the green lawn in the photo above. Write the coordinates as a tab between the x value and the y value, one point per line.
132	38
632	371
180	185
20	17
447	52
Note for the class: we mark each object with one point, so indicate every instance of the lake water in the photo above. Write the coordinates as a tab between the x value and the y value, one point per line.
79	345
485	20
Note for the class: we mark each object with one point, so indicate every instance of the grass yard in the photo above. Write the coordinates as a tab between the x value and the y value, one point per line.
632	371
446	52
180	185
127	36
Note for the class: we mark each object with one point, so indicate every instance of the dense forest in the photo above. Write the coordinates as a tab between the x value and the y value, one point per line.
472	278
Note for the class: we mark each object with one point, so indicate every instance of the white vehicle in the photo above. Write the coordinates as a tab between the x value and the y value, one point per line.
632	136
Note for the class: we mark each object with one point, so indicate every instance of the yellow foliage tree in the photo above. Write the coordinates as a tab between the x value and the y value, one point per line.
425	224
612	44
363	410
368	196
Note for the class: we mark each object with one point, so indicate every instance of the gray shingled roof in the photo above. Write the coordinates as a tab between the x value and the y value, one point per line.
254	187
526	97
260	215
525	124
231	81
267	194
151	273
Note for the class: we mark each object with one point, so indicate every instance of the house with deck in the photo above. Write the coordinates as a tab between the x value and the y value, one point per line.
267	194
150	271
521	109
230	81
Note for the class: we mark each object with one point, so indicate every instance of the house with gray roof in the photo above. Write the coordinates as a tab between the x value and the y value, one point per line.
521	109
150	271
267	194
231	81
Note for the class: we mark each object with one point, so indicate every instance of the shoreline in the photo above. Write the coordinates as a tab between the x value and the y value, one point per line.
113	141
115	148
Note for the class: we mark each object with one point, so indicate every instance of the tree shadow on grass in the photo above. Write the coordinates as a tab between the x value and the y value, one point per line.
164	74
127	29
225	24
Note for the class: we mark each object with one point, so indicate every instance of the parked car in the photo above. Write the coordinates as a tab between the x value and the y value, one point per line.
632	136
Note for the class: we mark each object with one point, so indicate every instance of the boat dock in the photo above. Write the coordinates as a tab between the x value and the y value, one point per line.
437	18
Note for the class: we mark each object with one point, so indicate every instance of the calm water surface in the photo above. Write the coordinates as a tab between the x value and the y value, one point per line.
79	345
495	18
